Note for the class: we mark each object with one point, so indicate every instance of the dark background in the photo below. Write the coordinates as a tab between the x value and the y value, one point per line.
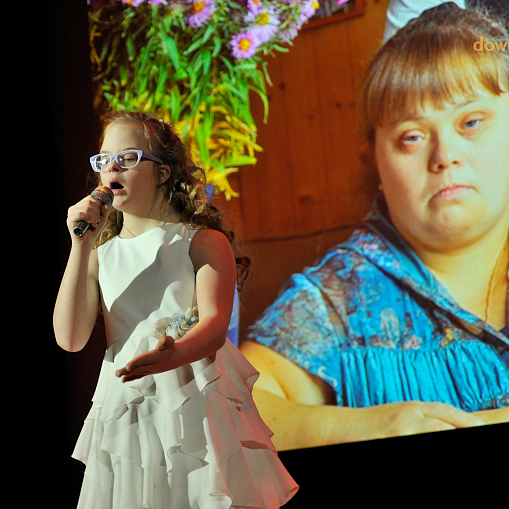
51	132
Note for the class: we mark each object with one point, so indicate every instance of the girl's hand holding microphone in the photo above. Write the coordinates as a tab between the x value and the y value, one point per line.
89	214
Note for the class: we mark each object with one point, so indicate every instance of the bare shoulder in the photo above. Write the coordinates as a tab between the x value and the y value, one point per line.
210	247
282	377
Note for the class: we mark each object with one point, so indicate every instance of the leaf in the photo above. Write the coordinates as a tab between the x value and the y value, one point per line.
201	140
198	63
130	49
207	59
161	83
181	74
280	48
170	46
193	47
124	75
228	64
208	33
192	77
175	103
263	96
218	44
241	160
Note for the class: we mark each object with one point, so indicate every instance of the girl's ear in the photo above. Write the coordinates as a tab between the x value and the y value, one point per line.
164	174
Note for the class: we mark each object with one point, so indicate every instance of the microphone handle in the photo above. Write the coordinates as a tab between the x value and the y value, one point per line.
105	196
81	228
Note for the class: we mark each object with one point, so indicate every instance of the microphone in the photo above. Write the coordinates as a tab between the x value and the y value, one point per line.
105	196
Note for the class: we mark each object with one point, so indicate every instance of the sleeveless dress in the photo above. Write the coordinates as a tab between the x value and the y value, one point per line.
189	438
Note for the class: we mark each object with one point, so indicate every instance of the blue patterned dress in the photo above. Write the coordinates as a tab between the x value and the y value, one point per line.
373	322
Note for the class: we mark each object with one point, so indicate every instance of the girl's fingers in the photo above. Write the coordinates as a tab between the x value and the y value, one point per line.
150	363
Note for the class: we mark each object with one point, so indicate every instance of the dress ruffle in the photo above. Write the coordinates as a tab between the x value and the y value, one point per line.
215	453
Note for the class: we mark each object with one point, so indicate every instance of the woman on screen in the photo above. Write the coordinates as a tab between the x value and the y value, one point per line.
403	328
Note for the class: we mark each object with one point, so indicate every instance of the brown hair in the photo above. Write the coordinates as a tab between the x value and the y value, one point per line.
184	190
430	61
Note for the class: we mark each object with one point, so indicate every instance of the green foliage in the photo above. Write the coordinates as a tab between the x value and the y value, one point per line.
148	58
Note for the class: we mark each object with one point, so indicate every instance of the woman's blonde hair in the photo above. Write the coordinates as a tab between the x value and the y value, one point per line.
432	60
184	190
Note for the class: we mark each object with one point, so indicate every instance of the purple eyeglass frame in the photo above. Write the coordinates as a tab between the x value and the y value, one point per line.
140	153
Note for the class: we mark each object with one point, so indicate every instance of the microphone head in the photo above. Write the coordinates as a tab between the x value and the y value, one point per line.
104	195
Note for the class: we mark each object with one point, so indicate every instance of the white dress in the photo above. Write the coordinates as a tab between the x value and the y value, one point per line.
189	438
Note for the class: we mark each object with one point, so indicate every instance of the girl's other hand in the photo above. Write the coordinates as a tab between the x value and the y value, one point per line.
156	361
92	211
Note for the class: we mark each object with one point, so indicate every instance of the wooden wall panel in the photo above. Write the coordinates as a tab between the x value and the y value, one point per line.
309	186
267	188
340	138
305	155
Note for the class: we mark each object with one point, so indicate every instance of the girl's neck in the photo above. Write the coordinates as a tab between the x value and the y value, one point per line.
133	226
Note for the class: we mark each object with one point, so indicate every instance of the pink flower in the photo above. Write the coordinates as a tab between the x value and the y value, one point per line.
290	32
244	45
254	6
308	10
340	2
265	24
134	3
201	11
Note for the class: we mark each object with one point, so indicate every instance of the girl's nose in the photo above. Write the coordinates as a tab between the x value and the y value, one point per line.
113	166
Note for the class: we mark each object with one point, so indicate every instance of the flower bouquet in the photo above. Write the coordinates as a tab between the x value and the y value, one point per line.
193	63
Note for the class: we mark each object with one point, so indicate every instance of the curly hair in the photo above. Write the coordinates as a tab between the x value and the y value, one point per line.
184	190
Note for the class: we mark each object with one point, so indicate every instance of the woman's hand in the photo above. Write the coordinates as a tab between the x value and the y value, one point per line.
495	416
92	211
408	418
156	361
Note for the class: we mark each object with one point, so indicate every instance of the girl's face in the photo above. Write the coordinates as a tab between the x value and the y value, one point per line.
135	189
445	173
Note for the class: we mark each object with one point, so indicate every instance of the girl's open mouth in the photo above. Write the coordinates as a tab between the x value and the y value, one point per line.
116	187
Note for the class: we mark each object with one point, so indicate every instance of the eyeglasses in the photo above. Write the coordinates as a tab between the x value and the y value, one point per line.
125	159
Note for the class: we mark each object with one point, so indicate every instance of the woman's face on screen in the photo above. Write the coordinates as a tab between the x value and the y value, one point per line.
445	172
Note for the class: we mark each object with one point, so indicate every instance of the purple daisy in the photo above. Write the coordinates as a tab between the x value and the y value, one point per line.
308	10
254	6
200	13
244	45
290	32
134	3
264	24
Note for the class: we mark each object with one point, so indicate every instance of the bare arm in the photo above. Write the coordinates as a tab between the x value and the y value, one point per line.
216	271
299	408
77	302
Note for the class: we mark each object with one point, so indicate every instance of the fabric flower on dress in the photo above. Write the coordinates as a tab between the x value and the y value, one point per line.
244	45
178	325
200	13
264	24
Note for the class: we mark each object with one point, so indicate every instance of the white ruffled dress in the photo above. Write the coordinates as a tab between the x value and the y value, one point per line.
189	438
